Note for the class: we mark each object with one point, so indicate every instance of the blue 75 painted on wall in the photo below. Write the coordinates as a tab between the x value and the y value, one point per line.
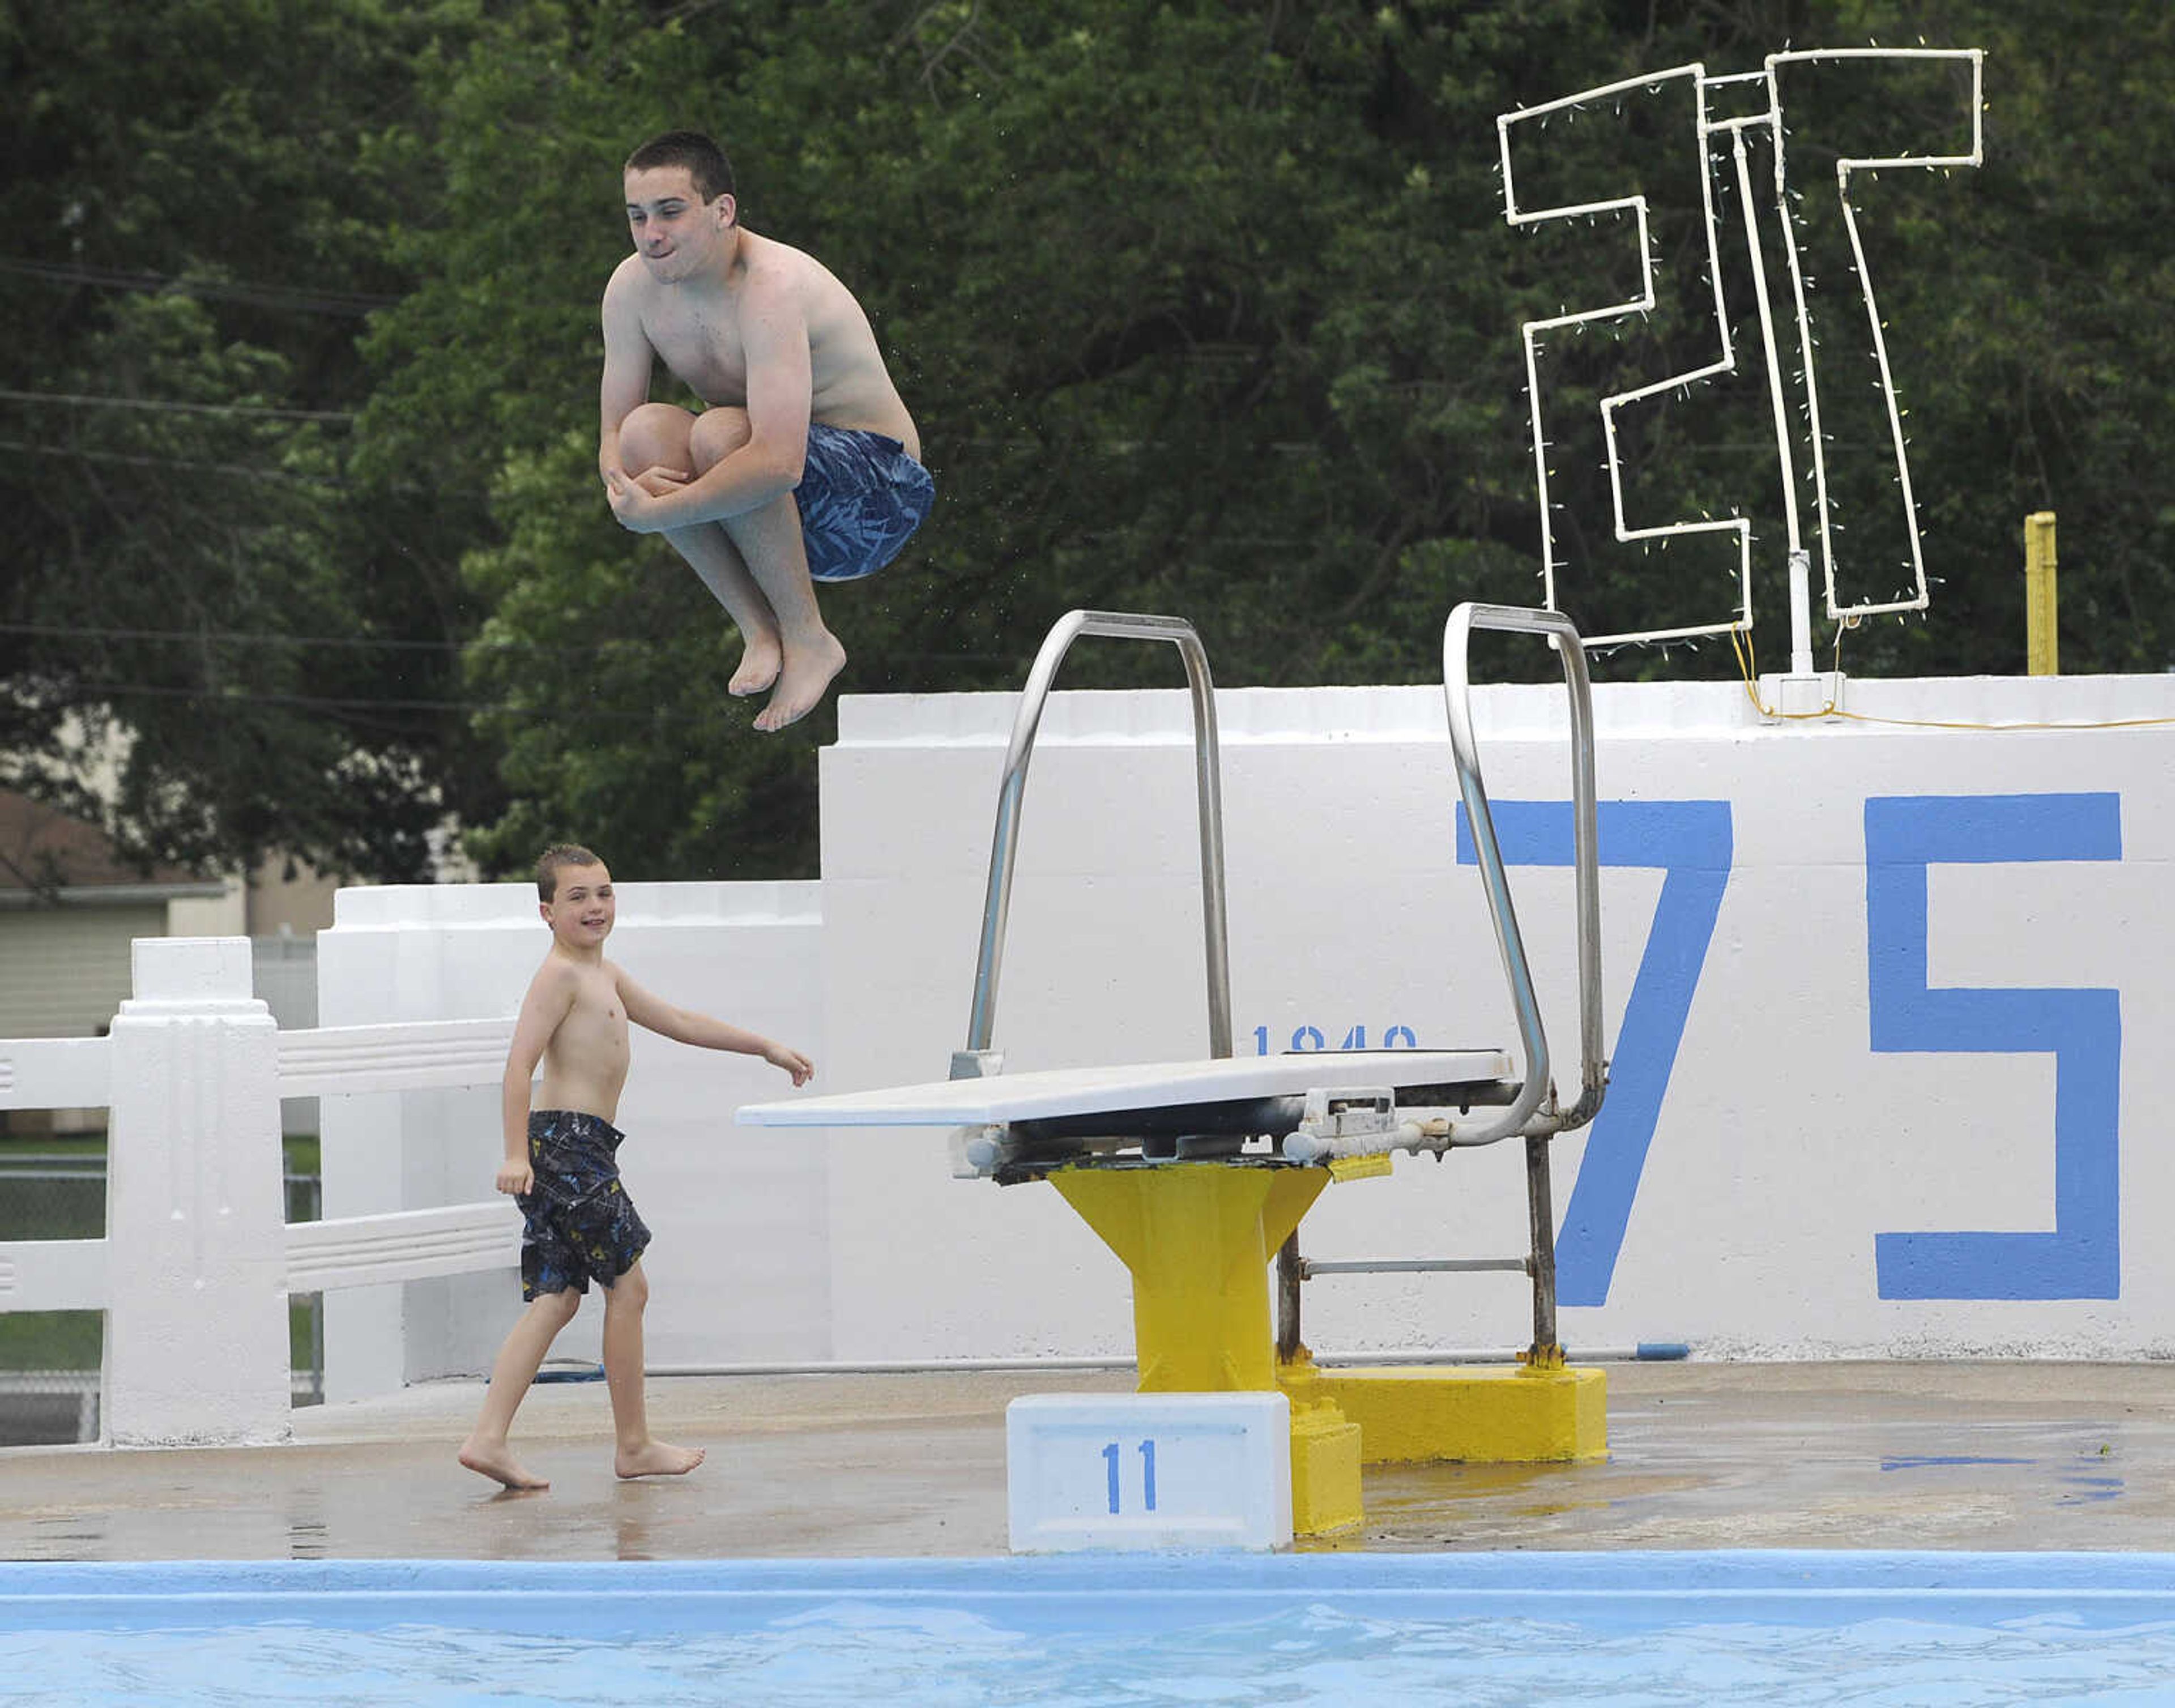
1691	841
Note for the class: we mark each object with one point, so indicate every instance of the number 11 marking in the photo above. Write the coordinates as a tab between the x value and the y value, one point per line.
1110	1457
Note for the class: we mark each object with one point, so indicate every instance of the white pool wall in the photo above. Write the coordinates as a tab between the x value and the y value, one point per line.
1783	1145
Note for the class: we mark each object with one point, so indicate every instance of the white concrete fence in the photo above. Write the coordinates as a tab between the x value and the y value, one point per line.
198	1260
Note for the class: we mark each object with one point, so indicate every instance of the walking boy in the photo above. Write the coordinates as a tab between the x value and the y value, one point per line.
560	1166
805	466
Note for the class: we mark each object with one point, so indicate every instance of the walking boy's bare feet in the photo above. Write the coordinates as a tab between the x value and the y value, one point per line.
806	673
759	664
658	1459
500	1467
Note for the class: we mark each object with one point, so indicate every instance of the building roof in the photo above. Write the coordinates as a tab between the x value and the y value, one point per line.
47	854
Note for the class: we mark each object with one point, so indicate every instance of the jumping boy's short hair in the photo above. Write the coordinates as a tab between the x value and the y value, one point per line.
705	162
561	854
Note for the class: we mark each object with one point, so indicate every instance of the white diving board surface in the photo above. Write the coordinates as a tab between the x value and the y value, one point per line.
1052	1092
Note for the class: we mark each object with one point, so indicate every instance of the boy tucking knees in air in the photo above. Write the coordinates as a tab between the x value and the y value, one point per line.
561	1166
802	466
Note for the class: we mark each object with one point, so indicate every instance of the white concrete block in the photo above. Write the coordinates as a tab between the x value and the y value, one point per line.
205	974
1778	1139
196	1339
1145	1471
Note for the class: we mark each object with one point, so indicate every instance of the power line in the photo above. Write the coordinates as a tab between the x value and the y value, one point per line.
266	637
350	303
136	460
357	708
255	637
84	690
354	709
77	400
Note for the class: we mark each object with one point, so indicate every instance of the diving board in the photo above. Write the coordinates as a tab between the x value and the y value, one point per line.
1056	1093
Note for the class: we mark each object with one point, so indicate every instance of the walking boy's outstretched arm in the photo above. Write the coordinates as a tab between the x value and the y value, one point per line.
550	1000
682	1026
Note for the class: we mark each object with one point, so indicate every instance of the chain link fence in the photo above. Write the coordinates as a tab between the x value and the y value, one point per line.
50	1360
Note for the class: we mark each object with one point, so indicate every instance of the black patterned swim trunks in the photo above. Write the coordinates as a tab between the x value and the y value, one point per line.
577	1219
860	497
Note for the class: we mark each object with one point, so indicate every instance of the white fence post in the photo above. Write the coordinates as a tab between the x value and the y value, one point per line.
196	1338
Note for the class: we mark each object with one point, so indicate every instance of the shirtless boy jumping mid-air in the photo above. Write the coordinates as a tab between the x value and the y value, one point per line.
561	1166
805	466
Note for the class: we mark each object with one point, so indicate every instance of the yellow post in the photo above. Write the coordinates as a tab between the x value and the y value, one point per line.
1198	1237
2041	652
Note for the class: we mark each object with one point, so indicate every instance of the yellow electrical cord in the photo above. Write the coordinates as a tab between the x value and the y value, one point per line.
1748	665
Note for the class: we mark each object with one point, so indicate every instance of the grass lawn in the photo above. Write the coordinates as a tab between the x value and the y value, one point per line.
16	1149
75	1340
51	1340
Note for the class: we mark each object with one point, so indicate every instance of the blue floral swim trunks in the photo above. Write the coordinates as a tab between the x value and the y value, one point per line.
577	1219
861	498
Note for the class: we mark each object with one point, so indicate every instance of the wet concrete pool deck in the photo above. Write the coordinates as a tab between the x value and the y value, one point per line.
1978	1455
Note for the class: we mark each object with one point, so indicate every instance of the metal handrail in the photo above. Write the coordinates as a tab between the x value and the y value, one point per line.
1534	1112
976	1058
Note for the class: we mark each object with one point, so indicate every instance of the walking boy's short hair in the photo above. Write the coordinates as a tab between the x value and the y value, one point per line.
705	162
560	854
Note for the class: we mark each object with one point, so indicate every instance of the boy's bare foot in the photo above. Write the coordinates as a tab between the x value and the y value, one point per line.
759	662
658	1459
806	673
500	1467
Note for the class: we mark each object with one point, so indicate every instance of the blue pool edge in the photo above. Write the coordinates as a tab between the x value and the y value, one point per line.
1106	1574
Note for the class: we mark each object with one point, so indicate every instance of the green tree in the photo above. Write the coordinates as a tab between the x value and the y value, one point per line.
2021	303
2046	355
196	566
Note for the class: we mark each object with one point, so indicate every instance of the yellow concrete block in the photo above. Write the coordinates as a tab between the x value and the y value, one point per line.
1325	1463
1479	1413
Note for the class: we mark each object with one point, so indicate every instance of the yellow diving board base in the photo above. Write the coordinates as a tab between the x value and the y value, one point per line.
1491	1414
1198	1237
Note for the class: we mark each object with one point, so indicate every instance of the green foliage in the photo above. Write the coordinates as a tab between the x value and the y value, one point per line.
2043	354
197	567
2020	300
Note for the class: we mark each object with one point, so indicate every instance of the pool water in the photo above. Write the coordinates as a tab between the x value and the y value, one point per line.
1618	1629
